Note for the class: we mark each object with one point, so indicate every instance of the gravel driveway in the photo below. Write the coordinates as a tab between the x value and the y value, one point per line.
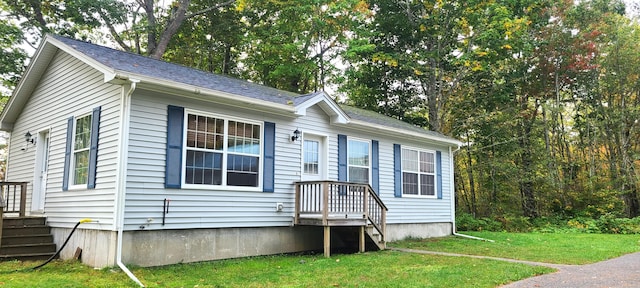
623	271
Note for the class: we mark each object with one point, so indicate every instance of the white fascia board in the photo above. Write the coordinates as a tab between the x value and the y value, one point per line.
171	87
403	133
27	83
337	114
108	72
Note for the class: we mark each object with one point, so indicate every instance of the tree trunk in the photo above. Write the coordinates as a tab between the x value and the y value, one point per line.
529	205
472	185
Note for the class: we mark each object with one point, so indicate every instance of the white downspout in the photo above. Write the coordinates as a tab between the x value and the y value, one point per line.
453	201
121	178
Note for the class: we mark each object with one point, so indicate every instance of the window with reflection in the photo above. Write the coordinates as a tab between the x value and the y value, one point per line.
418	172
81	145
221	152
358	161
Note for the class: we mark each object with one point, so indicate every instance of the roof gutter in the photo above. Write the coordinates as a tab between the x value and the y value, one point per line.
125	112
404	133
227	98
453	205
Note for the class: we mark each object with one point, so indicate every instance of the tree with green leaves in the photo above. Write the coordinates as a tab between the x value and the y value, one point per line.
404	61
12	58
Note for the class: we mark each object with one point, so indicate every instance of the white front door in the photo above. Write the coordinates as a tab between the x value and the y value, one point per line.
314	157
40	177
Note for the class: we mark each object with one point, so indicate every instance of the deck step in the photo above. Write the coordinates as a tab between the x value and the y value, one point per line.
26	231
27	248
27	239
32	239
23	222
27	257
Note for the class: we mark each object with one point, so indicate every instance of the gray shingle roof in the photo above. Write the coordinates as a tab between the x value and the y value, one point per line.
149	67
379	119
138	64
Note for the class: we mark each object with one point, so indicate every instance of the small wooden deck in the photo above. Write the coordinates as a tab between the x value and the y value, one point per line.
344	204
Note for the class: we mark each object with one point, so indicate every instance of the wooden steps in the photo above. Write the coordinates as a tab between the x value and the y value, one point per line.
26	238
346	239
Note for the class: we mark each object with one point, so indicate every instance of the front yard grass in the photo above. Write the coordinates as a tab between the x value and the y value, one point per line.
559	248
372	269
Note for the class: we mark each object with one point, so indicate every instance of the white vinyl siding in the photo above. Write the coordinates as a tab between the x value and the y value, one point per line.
411	209
192	207
53	101
224	208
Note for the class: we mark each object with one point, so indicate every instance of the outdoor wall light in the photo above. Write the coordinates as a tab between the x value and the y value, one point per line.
296	135
29	138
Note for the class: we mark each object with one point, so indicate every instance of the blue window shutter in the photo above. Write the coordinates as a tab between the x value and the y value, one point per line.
397	170
175	128
439	173
93	148
375	167
67	155
268	169
342	157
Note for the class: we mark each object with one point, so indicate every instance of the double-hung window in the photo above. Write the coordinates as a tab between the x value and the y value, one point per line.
222	152
359	164
418	172
81	146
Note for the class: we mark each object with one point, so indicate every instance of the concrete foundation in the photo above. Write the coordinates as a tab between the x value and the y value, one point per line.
158	247
163	247
98	246
397	232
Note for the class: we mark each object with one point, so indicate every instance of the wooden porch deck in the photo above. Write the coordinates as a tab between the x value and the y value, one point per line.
343	204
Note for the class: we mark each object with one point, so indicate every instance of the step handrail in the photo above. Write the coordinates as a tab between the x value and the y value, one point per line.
9	196
319	197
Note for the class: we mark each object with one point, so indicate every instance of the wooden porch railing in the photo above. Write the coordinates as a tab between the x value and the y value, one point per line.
329	200
13	196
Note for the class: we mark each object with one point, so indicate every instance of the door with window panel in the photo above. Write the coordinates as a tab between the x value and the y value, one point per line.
313	158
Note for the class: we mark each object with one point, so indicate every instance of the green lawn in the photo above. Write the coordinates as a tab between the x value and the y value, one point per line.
560	248
373	269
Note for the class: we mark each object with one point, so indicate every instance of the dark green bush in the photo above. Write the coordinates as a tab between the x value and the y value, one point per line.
611	225
466	222
608	223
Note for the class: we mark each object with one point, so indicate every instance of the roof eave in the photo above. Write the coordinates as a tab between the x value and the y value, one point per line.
403	133
171	87
26	85
30	79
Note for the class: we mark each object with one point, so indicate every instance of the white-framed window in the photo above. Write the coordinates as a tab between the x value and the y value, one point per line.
80	152
359	161
418	172
311	157
221	151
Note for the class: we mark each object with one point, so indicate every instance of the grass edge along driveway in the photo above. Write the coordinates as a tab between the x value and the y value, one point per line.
556	248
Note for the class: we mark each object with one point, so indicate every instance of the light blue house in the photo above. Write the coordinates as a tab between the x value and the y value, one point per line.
178	165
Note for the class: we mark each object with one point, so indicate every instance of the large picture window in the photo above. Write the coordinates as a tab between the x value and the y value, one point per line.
81	146
358	154
222	151
418	173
